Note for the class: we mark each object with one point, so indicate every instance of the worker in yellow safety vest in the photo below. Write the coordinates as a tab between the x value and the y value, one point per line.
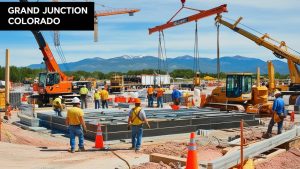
83	96
137	117
104	97
97	99
76	124
58	106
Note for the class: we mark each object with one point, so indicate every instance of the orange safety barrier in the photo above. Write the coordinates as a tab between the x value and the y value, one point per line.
192	162
131	100
292	116
203	100
99	138
175	107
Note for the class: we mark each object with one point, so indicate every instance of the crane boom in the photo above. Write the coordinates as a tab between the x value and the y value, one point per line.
49	59
116	12
200	15
293	60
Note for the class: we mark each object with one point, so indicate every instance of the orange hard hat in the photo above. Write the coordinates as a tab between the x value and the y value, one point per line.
137	100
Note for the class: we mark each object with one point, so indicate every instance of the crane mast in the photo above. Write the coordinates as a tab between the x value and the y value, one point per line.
278	51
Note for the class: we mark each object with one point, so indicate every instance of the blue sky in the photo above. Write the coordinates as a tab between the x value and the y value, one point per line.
124	35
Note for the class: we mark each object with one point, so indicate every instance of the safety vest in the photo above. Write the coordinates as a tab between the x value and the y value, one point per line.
56	102
84	90
97	96
160	92
135	119
150	90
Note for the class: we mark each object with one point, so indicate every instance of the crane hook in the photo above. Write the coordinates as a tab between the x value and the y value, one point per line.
182	1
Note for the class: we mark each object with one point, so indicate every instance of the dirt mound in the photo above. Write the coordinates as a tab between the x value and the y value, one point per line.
151	165
16	135
287	160
169	148
178	149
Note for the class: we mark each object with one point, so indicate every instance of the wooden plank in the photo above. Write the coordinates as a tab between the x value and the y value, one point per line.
156	157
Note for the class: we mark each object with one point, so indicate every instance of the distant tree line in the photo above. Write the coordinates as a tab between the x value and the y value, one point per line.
21	74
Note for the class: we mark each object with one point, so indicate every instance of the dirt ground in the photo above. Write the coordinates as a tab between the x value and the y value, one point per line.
16	135
287	160
179	149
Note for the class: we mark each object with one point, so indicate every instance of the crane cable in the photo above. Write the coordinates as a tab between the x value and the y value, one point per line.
218	50
60	51
162	53
196	51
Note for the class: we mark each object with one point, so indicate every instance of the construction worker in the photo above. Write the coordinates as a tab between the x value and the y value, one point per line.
137	117
8	111
83	96
104	98
159	95
150	96
58	106
97	99
278	115
176	96
76	124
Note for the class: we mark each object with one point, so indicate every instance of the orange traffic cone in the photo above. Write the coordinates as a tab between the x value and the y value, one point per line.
192	162
99	137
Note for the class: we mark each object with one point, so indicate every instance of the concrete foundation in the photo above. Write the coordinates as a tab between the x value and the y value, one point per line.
162	122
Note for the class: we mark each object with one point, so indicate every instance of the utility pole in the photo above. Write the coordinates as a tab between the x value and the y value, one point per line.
7	83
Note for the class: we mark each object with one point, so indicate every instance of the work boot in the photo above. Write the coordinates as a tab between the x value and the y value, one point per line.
81	149
267	135
72	151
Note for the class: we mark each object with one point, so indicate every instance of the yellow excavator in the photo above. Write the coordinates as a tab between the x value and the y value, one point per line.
239	89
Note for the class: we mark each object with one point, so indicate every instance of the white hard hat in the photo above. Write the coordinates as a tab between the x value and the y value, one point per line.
60	97
277	92
75	100
84	85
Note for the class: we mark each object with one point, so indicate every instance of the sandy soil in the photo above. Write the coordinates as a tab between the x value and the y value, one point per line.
287	160
151	165
16	135
179	149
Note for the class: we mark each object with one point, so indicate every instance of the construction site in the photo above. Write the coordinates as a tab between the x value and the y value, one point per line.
162	117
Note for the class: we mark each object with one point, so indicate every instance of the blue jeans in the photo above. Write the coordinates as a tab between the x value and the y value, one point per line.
58	111
137	134
271	124
83	99
104	104
76	131
97	104
160	102
150	100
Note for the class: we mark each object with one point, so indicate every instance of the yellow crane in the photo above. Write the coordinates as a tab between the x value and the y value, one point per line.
280	51
239	89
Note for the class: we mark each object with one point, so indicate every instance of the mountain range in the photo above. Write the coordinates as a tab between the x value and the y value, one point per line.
125	63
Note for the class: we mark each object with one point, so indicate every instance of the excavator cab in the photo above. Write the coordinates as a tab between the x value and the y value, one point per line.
238	85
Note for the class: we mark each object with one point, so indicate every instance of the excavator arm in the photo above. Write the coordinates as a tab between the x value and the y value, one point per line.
278	51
